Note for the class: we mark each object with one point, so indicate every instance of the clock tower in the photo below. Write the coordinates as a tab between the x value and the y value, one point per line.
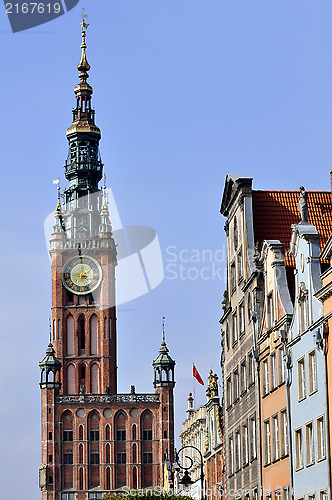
94	440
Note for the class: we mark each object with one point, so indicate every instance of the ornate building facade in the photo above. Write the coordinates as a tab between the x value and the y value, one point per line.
94	440
193	435
214	455
262	296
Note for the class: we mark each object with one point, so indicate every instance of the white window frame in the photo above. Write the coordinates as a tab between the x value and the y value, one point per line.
275	438
245	444
273	369
231	454
265	380
321	438
281	366
309	443
253	437
283	433
243	375
298	441
301	381
312	371
267	442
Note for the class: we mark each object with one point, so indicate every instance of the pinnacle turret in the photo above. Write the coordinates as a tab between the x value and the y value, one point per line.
163	365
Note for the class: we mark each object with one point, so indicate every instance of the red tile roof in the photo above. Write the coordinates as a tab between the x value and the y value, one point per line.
275	211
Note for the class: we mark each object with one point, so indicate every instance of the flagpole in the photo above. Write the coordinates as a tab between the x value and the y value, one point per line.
194	385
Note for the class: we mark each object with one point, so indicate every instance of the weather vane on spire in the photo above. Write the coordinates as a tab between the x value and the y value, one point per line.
83	23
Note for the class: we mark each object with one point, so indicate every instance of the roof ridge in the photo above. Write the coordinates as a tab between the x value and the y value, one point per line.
288	191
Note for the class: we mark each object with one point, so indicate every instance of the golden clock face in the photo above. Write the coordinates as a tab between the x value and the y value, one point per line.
81	275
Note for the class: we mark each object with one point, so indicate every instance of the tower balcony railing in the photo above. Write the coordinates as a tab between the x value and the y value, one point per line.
84	165
108	398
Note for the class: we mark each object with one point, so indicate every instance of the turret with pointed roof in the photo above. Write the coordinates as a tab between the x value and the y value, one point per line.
163	366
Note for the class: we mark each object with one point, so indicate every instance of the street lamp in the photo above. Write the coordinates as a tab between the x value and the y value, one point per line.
186	479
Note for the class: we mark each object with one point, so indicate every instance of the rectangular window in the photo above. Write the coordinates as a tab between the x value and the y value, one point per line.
121	434
234	328
285	493
243	376
241	317
120	458
275	438
239	266
229	391
94	435
303	311
283	433
147	457
320	430
94	458
231	455
68	458
312	371
281	366
251	369
67	435
252	428
267	442
273	365
301	379
147	434
298	449
309	444
67	496
237	450
236	385
245	446
269	311
233	277
265	365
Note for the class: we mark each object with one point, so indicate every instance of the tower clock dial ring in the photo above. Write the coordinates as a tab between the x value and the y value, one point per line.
81	274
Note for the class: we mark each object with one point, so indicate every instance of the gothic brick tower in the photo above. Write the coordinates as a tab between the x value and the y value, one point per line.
93	439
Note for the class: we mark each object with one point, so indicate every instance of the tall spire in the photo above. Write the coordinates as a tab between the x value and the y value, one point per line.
83	167
83	114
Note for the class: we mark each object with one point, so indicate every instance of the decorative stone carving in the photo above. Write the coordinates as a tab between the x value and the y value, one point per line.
112	398
303	205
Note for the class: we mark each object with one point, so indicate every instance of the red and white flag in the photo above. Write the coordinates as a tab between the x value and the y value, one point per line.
197	375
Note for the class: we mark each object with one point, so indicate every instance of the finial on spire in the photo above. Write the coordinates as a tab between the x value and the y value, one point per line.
105	194
163	330
50	327
83	66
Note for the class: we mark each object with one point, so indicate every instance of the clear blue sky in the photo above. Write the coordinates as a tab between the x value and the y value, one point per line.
186	91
